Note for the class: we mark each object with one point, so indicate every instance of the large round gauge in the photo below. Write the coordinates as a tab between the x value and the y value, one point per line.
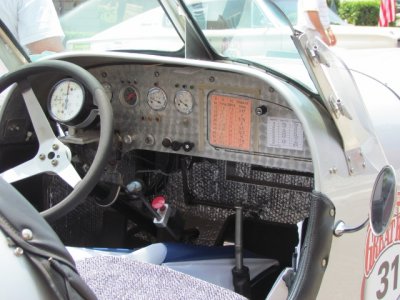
184	101
129	95
156	98
66	101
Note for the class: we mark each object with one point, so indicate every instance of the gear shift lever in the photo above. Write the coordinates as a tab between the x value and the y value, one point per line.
240	273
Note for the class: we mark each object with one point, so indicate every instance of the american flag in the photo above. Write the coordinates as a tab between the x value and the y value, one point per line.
387	12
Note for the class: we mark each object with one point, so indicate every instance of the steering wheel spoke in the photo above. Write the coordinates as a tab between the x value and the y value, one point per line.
22	171
53	157
70	175
38	117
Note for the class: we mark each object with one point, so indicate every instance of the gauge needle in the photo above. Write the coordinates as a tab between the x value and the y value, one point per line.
66	98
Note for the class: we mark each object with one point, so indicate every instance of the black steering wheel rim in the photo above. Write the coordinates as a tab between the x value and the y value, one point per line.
88	182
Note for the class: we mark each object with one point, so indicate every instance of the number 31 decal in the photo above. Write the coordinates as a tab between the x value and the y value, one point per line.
388	271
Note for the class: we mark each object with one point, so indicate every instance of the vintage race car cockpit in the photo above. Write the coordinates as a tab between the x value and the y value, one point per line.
199	142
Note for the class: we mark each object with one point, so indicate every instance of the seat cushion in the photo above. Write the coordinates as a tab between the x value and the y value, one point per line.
212	264
116	277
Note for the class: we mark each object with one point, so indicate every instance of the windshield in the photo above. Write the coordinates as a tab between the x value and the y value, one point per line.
252	30
242	28
119	25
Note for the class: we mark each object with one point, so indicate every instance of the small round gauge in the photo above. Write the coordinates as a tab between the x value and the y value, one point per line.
66	101
184	102
129	95
156	98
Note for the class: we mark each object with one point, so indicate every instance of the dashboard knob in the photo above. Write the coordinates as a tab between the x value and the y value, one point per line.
261	110
149	140
176	145
166	142
187	146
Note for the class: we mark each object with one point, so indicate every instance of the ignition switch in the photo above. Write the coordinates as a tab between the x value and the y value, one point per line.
261	110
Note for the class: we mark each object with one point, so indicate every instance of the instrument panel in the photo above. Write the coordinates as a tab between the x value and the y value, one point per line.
203	112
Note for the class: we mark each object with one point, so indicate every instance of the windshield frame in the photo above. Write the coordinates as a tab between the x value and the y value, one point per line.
11	52
307	89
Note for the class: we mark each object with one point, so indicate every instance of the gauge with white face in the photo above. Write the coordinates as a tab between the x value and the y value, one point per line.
66	100
157	99
184	102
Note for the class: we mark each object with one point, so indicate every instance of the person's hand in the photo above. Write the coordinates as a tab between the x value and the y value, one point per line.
328	37
325	38
331	37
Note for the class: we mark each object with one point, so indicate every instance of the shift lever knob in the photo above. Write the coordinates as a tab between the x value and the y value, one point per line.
134	187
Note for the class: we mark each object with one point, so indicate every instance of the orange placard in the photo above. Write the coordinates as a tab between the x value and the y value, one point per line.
230	122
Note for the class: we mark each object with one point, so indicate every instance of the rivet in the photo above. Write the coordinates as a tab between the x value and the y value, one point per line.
42	156
27	234
55	147
54	162
332	212
18	251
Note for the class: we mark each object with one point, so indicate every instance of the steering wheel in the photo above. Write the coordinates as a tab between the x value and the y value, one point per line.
49	144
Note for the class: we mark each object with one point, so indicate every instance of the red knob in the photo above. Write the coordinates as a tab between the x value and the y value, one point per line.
158	203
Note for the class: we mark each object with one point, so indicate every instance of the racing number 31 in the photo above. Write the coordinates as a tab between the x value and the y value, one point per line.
384	272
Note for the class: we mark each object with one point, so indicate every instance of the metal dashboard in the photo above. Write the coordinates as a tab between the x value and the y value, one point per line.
206	113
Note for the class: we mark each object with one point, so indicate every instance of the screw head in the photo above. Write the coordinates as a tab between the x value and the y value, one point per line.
324	263
27	234
18	251
54	162
55	147
42	156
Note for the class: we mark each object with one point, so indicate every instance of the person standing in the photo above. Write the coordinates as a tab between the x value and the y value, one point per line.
34	23
313	20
